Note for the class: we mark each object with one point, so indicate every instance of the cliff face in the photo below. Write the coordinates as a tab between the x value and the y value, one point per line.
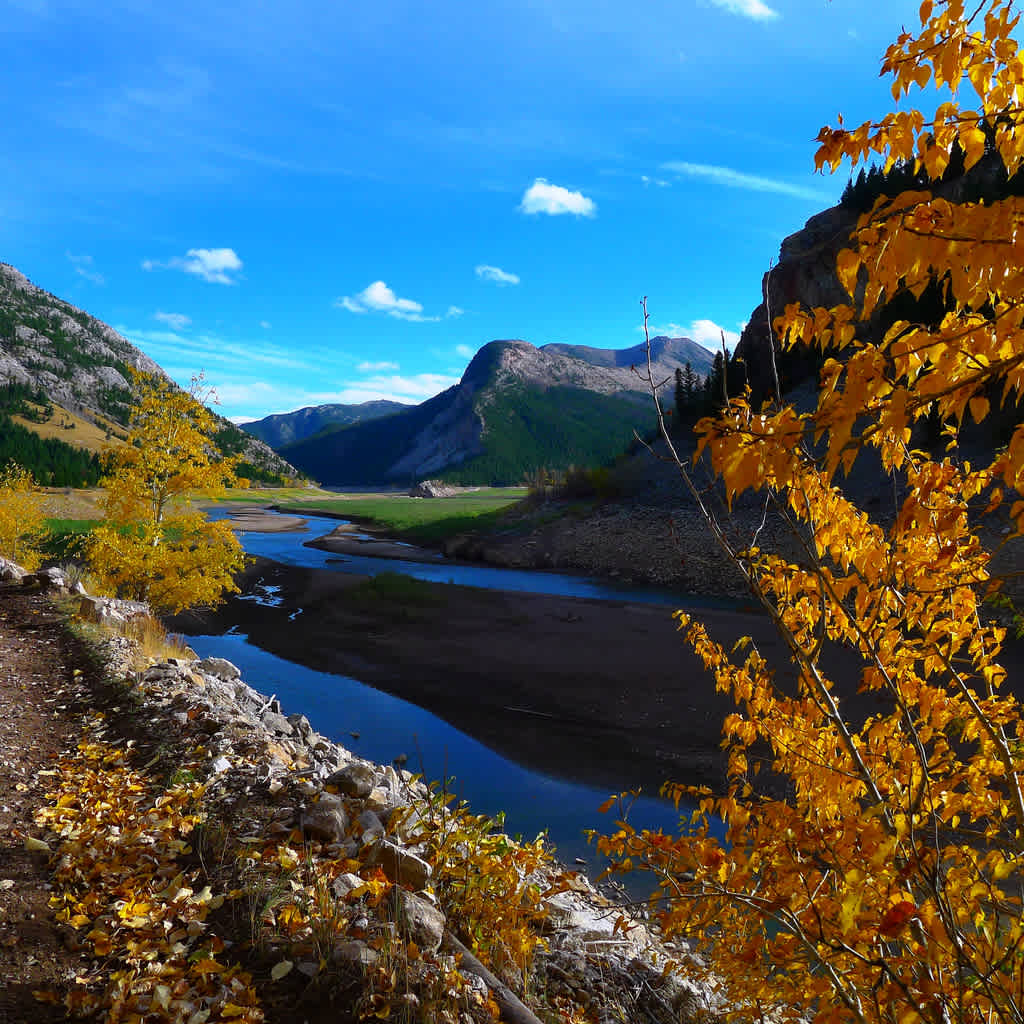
805	271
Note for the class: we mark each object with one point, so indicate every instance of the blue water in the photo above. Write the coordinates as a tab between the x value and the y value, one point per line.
288	548
387	726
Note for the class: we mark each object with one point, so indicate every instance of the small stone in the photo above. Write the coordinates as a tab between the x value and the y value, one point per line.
399	865
421	921
277	723
354	952
221	668
353	780
326	819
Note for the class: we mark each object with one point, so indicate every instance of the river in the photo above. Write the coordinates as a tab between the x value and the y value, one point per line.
381	727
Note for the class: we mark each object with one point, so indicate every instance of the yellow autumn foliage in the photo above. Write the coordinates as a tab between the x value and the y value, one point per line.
886	885
153	545
22	522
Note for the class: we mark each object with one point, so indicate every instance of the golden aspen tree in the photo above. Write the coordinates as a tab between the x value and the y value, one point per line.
22	521
888	884
153	545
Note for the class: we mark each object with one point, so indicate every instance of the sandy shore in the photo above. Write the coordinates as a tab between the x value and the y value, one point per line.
256	519
348	539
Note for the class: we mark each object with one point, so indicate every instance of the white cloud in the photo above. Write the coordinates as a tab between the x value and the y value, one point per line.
214	265
454	312
709	334
379	298
495	274
543	197
465	351
755	9
737	179
265	324
704	332
376	367
176	321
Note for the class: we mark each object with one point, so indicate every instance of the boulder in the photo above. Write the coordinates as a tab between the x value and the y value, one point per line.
400	866
432	489
221	668
353	780
11	572
110	611
421	921
326	819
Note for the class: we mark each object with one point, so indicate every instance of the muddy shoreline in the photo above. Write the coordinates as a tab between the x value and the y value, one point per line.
599	692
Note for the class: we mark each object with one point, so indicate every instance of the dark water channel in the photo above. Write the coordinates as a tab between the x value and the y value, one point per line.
386	726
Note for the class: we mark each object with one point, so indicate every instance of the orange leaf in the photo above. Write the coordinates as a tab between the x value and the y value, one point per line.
896	918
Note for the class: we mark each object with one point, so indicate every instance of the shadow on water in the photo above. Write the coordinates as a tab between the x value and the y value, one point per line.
387	727
381	727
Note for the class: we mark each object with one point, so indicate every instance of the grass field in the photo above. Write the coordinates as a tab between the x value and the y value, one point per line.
423	520
66	426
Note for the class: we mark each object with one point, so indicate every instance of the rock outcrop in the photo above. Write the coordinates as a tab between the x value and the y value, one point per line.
83	365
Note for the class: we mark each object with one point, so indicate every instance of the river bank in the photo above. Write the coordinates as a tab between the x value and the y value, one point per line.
367	900
602	692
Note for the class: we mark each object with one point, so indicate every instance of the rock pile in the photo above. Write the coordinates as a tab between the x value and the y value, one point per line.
254	753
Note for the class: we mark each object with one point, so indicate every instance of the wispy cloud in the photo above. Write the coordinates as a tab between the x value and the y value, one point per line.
207	350
176	321
83	265
737	179
755	9
495	274
466	351
376	367
251	398
379	298
265	324
218	266
543	197
454	312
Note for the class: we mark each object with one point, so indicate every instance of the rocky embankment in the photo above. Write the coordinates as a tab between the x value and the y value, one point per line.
390	900
665	544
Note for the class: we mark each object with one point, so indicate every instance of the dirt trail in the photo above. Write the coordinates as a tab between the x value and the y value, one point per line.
40	705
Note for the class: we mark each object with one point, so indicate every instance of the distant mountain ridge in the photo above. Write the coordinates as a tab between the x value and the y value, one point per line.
83	365
517	409
284	428
663	348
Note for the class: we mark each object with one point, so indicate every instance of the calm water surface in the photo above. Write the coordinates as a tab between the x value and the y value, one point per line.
387	726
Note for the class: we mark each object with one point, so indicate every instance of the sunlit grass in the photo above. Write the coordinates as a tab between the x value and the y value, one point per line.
419	519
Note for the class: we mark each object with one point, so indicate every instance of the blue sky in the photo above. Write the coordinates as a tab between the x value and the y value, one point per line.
328	202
